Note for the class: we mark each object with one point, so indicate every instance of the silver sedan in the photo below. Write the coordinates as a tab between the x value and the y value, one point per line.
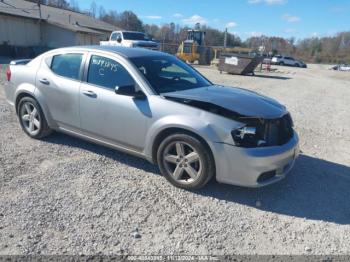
155	106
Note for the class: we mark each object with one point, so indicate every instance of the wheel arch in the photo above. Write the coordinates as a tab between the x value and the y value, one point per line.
22	95
43	107
173	130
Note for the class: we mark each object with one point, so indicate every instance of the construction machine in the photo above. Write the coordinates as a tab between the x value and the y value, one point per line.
194	49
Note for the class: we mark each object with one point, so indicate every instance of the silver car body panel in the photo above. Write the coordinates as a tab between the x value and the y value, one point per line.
249	163
23	83
133	125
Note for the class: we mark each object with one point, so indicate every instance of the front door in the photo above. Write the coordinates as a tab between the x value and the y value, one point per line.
106	115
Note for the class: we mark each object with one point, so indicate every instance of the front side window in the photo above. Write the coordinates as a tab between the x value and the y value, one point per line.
67	65
108	73
169	74
114	37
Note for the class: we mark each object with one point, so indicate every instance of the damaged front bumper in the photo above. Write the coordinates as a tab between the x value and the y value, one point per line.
255	167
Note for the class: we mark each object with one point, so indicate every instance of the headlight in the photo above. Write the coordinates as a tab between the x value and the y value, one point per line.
242	132
264	132
247	137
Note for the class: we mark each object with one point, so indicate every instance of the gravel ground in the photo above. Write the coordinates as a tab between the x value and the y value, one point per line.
66	196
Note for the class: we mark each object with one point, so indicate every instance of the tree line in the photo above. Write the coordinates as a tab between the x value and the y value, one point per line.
329	49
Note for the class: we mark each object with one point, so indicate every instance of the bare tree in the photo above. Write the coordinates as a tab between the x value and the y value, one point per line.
74	5
58	3
101	12
93	9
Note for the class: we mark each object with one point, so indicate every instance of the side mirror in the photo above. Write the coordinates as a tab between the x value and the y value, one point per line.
119	39
129	90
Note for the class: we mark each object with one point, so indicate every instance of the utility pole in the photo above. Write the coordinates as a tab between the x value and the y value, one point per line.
40	18
225	39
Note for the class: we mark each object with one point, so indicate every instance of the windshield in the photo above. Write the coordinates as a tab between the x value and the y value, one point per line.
135	36
169	74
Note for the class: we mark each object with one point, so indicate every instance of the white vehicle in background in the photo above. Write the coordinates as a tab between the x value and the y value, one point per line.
287	60
341	67
130	39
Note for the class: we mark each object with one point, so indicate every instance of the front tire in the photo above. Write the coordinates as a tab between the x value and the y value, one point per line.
185	161
32	119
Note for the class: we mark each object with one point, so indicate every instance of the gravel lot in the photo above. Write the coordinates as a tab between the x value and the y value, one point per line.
66	196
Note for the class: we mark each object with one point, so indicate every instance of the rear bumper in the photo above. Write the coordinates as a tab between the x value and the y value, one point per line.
9	92
255	167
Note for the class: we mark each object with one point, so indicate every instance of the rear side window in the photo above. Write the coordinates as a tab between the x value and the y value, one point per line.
67	65
108	73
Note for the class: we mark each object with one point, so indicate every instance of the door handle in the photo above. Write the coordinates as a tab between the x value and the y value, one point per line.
44	81
89	93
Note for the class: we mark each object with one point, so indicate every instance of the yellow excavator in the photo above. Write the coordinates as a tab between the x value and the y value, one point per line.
193	48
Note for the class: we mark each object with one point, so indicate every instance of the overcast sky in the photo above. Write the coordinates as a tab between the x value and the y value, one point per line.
286	18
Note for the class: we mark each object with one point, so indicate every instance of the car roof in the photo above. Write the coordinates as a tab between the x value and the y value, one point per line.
126	52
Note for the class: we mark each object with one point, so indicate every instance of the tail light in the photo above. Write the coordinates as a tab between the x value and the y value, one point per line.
8	74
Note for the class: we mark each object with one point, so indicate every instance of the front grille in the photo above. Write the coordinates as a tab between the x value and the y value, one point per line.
266	176
279	131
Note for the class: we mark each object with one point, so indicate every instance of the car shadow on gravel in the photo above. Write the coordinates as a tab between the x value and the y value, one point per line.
62	139
273	77
315	189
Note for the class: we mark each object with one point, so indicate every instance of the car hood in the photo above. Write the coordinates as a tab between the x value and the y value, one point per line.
237	100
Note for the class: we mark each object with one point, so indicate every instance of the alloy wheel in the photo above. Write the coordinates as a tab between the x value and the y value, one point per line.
182	162
30	118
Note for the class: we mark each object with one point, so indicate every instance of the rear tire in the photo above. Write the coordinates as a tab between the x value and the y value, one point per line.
32	119
185	161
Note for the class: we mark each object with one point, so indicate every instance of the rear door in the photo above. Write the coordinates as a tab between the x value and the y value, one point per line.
58	81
